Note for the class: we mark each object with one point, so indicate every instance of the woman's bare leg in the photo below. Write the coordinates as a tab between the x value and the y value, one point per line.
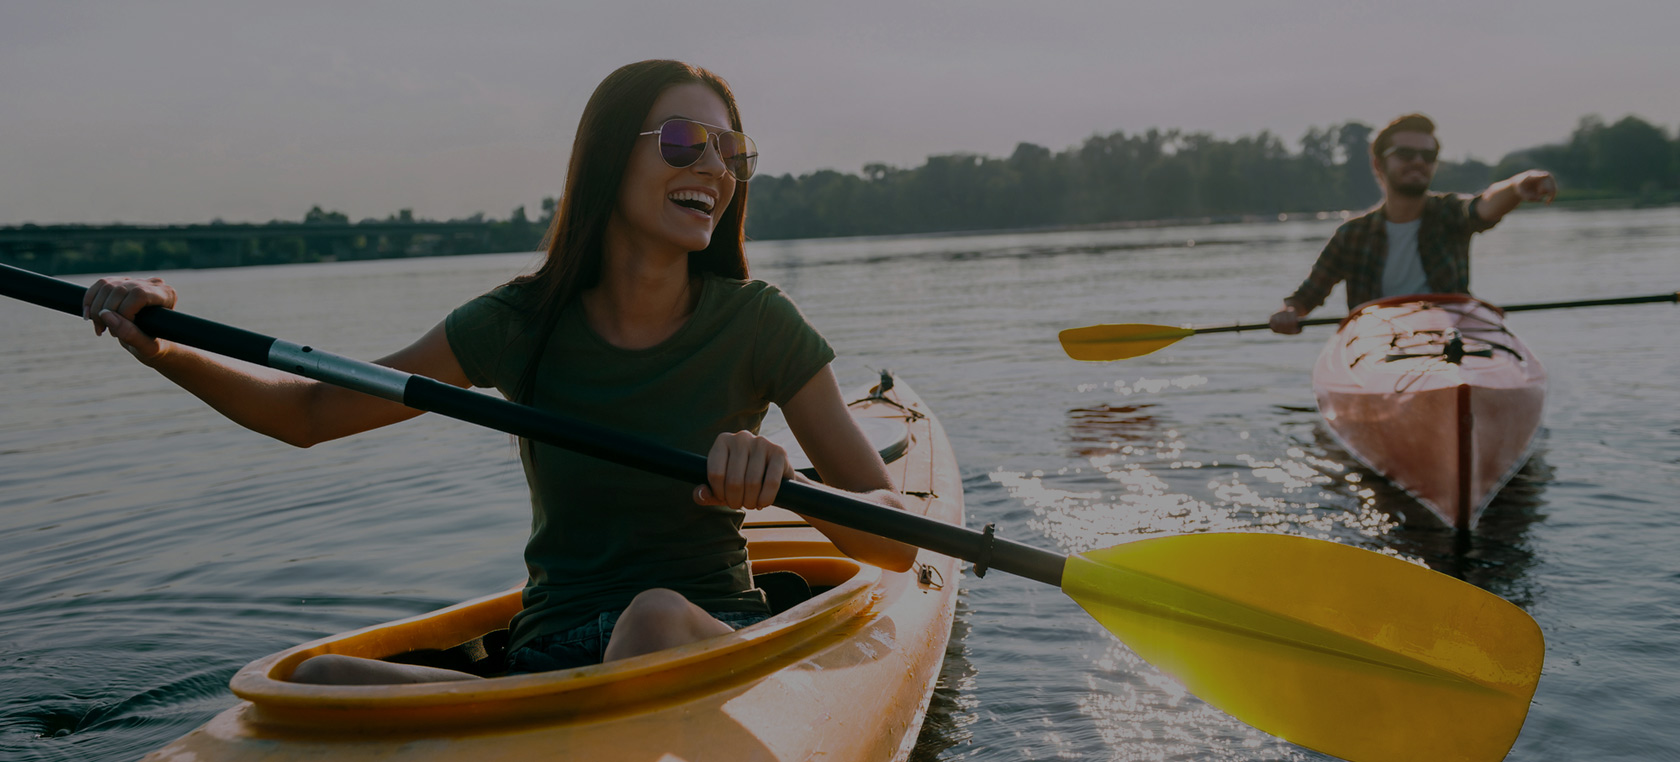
333	669
655	620
659	619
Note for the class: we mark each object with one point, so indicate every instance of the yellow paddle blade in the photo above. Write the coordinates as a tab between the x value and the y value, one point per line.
1342	650
1100	343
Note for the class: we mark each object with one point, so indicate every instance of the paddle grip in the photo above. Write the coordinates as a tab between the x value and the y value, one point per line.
1262	326
159	322
37	289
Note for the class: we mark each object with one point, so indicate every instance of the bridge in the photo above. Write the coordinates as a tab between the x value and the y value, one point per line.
59	249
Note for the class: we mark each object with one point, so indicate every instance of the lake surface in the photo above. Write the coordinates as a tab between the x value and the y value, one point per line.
149	548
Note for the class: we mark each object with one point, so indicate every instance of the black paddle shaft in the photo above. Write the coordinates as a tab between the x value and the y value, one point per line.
1654	298
812	500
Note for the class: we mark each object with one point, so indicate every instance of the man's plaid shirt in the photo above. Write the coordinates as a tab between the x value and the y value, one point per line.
1359	249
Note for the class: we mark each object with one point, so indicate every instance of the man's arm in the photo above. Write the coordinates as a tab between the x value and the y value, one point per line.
1501	197
1329	270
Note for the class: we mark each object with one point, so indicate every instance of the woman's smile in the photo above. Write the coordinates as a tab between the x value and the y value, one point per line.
699	200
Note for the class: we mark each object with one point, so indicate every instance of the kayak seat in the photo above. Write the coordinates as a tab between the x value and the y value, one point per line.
486	655
782	589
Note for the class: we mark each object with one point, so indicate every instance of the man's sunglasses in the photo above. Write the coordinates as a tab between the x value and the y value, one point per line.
1408	154
683	141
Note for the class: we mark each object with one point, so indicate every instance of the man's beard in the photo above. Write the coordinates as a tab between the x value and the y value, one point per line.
1409	190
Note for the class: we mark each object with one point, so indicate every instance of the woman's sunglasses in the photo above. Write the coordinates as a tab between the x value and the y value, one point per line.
683	141
1407	154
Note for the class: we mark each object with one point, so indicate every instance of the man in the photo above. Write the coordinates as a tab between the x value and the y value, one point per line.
1415	242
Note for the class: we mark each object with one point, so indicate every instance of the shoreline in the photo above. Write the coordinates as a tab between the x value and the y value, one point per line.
207	246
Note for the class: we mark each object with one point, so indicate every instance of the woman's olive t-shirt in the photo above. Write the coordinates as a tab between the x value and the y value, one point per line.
600	532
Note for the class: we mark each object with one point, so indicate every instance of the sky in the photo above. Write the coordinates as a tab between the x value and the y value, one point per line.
172	112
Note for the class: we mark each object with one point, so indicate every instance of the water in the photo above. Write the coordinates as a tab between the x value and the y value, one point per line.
149	548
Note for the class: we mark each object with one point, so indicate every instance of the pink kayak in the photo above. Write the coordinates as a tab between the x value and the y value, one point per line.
1433	392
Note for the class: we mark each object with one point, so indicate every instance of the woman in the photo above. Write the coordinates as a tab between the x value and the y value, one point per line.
641	319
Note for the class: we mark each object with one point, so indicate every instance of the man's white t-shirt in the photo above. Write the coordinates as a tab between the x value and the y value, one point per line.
1403	270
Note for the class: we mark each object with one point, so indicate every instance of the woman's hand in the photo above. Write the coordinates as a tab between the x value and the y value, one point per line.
111	304
743	470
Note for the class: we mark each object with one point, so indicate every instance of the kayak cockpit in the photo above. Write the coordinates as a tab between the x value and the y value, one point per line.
849	593
845	674
486	655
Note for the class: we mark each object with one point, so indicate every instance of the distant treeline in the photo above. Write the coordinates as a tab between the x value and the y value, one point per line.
1113	178
1177	175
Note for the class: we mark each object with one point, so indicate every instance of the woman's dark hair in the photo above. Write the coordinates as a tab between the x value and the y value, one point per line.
575	241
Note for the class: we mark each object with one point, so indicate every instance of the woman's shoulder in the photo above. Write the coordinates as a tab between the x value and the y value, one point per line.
518	294
744	290
494	317
754	297
507	301
762	322
736	287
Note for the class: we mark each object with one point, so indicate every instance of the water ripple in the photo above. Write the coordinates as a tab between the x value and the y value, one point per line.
149	548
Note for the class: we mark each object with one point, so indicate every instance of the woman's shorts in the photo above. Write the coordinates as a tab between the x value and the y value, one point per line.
586	644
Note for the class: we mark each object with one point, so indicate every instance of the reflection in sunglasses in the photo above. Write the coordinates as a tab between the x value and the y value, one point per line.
682	142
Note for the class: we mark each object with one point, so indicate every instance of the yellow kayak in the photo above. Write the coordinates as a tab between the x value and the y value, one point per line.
845	674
